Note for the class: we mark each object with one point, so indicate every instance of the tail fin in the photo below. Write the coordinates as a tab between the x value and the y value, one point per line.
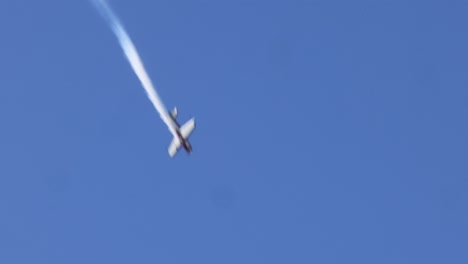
187	128
173	113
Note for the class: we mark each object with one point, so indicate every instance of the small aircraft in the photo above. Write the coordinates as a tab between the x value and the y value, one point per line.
181	133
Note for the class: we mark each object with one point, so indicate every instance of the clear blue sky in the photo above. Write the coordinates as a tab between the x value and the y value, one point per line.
328	132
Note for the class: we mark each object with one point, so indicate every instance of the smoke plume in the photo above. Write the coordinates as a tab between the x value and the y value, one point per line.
133	58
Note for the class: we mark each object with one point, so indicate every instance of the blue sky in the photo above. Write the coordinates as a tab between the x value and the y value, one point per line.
328	132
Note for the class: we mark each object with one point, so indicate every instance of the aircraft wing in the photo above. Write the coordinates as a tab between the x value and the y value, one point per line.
187	128
174	147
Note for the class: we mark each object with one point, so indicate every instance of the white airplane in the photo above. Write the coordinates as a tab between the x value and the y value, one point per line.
181	133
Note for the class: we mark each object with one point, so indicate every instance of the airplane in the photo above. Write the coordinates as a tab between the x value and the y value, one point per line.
181	134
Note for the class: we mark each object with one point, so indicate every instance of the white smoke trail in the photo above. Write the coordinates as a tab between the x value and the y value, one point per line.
132	56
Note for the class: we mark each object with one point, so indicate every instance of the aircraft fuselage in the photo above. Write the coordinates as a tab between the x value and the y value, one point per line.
184	142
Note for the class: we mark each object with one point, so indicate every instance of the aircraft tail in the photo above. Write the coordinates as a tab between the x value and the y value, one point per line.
173	113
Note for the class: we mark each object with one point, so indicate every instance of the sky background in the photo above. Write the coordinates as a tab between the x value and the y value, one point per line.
327	132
